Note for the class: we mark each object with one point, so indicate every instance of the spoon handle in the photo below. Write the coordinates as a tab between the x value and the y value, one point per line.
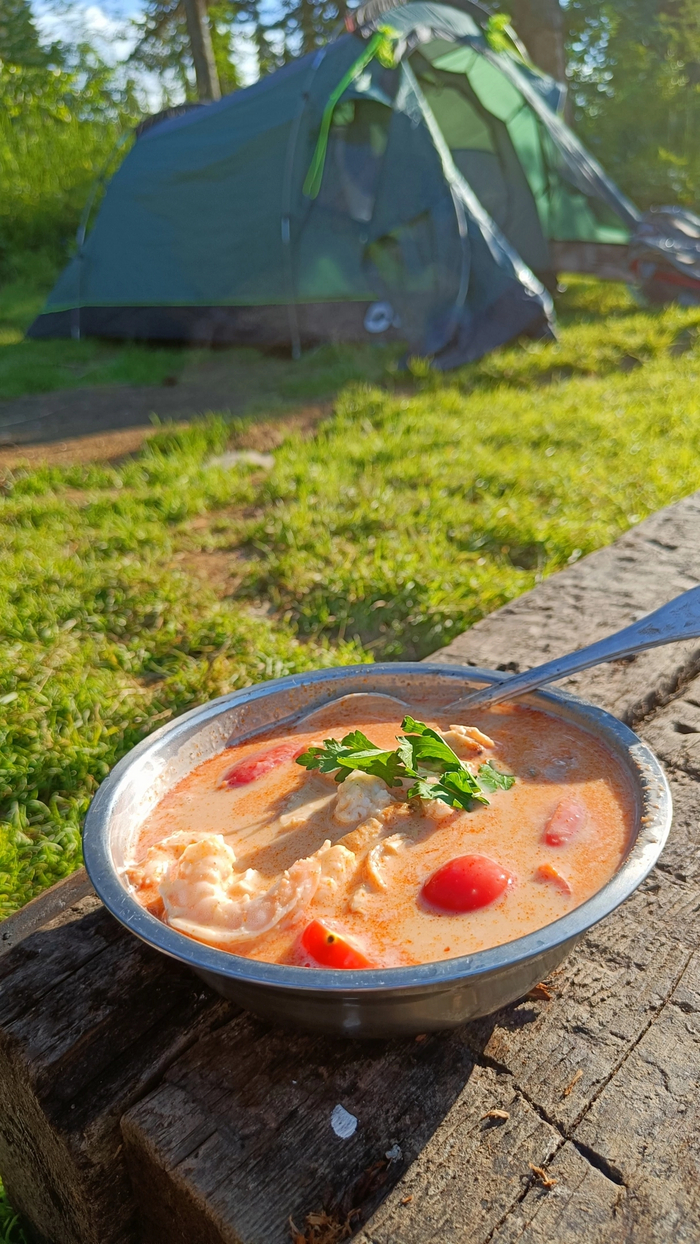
679	619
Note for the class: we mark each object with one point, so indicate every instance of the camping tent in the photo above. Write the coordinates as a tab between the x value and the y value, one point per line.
410	178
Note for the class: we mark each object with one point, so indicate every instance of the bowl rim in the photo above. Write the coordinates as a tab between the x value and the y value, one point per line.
654	825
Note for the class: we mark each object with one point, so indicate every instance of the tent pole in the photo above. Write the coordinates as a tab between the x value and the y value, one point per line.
286	215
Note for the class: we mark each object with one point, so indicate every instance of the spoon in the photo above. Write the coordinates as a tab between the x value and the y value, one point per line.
363	703
679	619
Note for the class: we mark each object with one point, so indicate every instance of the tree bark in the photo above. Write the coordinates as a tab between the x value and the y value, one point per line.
540	25
202	51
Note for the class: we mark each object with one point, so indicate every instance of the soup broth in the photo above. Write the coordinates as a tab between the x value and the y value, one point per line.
258	855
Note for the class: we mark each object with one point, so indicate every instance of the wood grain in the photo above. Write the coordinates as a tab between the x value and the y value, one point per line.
239	1137
89	1020
645	1127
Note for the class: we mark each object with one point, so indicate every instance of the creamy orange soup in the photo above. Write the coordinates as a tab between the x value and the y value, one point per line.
256	855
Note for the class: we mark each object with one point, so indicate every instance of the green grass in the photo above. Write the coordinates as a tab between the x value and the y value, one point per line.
10	1228
43	366
421	504
28	366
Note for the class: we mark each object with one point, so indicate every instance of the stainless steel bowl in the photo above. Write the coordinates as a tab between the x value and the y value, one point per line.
383	1002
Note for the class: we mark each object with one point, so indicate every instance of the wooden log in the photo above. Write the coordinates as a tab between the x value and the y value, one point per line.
239	1138
89	1020
556	1055
609	261
645	1127
580	1204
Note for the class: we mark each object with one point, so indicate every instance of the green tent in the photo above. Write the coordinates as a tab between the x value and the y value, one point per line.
409	179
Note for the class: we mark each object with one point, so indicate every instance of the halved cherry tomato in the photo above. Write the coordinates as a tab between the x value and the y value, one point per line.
465	884
256	766
330	949
566	820
547	872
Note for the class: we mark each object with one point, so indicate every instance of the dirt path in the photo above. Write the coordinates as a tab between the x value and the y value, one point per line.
263	434
78	412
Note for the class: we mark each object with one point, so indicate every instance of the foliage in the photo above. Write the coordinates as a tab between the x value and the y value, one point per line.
58	125
163	46
277	33
419	505
19	41
635	72
10	1229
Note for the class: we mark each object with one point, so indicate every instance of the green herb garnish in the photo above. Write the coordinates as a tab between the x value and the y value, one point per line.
422	757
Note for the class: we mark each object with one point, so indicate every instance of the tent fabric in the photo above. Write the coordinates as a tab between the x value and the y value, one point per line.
444	178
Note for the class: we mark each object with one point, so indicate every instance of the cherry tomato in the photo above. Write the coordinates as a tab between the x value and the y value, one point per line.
566	820
245	771
547	872
465	884
330	949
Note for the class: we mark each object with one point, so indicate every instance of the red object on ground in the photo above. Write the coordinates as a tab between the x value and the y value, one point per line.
330	949
256	766
566	820
547	872
466	884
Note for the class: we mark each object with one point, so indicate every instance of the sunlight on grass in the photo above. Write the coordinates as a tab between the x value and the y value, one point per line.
422	503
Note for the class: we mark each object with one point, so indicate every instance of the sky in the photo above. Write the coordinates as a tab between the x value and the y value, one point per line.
106	22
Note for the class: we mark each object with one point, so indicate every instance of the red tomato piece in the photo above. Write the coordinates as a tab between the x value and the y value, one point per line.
547	872
330	949
466	884
252	767
566	820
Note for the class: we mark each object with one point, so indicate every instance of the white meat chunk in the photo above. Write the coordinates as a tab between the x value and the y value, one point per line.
437	809
336	863
303	812
376	857
359	797
468	740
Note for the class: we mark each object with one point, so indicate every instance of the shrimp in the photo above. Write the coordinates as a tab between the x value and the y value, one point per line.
150	871
207	899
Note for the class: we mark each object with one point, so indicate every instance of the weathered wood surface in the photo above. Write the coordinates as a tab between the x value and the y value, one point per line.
134	1106
89	1019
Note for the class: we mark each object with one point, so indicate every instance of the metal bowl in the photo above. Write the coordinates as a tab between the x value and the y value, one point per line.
388	1001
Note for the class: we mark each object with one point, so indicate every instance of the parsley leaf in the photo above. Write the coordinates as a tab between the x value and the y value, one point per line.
428	748
322	758
359	742
459	789
355	752
492	779
422	754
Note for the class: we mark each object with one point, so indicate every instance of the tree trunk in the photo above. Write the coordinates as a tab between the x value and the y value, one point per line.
540	25
202	51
